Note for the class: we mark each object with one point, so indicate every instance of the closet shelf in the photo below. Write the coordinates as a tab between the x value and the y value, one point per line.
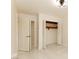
52	25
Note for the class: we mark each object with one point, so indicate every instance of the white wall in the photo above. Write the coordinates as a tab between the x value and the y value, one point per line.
65	29
14	30
40	32
51	36
65	32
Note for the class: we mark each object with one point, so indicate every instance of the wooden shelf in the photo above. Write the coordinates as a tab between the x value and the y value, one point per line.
52	25
51	22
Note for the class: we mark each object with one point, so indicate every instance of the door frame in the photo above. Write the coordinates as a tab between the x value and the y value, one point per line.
59	32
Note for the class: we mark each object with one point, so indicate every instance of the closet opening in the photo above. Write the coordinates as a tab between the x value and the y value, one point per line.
51	33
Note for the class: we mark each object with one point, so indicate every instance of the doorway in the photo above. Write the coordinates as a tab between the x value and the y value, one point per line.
33	35
52	32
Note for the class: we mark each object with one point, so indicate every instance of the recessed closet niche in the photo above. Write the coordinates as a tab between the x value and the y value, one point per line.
51	32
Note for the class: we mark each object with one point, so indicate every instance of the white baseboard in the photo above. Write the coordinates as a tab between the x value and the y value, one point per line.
14	56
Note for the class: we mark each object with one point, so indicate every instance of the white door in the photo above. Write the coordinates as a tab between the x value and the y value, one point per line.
24	34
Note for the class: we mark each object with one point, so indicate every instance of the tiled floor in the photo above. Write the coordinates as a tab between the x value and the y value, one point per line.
51	52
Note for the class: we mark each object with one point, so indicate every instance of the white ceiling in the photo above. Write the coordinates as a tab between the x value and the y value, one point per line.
41	6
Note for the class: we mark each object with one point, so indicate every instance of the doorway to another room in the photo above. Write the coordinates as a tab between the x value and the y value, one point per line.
33	40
